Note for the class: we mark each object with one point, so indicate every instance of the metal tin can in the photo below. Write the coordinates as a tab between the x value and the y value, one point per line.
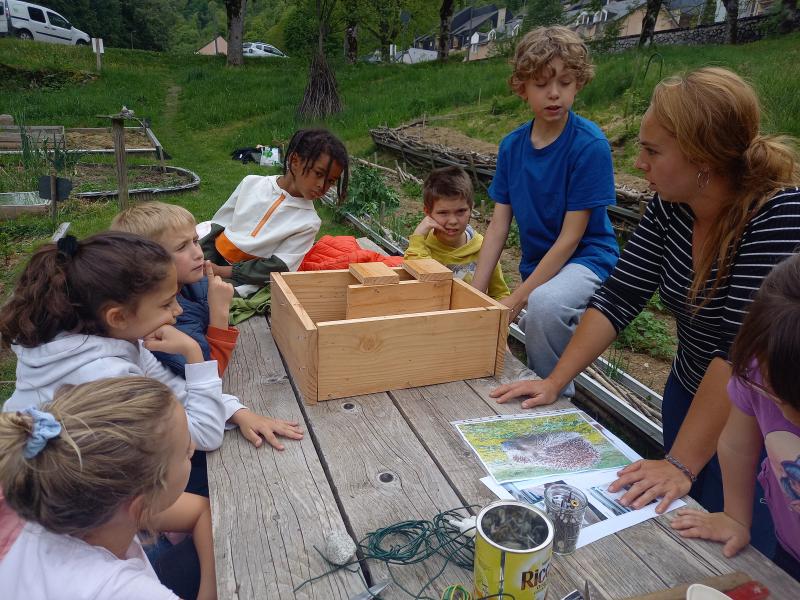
513	547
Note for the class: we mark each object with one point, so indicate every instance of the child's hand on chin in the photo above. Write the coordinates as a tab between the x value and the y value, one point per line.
220	294
170	340
426	225
252	426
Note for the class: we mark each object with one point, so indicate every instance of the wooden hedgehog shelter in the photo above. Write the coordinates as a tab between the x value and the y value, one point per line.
372	328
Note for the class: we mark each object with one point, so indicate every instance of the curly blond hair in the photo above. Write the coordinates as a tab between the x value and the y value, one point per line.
540	46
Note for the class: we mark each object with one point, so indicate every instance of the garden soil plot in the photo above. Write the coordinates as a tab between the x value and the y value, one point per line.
101	140
101	177
450	138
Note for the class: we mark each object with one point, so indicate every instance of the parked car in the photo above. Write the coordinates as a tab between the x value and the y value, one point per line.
262	50
33	22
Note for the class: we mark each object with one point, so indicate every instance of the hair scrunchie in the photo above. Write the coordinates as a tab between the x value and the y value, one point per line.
67	246
45	427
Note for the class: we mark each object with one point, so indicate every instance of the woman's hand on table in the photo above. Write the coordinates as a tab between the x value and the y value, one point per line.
717	527
647	480
539	392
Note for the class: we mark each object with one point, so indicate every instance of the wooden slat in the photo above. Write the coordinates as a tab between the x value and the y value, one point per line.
296	336
427	269
363	438
405	298
270	508
373	274
380	353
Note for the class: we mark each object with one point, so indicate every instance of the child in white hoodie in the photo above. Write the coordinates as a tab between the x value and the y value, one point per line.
96	308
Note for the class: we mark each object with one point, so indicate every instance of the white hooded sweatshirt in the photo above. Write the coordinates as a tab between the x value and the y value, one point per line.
77	358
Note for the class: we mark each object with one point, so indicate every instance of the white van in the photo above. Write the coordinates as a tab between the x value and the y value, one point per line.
33	22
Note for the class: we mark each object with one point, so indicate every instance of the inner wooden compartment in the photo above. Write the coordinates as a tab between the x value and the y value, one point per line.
324	295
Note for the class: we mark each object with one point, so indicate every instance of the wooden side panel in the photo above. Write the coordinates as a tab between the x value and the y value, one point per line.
427	269
296	336
502	341
385	353
404	298
466	296
324	293
374	274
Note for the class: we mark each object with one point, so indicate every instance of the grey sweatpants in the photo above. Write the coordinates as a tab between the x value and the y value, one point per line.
553	312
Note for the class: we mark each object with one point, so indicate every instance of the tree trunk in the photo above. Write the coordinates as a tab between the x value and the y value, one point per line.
788	16
649	22
351	42
235	10
732	21
445	18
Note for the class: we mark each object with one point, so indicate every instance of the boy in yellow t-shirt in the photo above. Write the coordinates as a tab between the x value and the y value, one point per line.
445	233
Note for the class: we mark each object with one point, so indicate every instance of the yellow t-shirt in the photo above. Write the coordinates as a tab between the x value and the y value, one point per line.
462	261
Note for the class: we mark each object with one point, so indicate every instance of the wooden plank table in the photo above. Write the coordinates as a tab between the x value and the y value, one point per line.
370	461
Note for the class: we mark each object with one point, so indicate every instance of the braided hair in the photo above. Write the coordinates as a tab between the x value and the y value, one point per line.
309	145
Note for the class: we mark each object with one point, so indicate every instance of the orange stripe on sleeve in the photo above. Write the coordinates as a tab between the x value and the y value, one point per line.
267	215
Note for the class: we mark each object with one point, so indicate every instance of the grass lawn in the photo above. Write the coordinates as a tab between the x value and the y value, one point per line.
201	110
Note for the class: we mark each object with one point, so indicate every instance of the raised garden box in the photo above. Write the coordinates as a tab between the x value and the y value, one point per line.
371	329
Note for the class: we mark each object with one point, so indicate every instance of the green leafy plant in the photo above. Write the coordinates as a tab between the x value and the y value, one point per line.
649	335
512	241
369	194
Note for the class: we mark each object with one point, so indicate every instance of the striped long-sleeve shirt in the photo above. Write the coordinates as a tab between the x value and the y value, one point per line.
658	256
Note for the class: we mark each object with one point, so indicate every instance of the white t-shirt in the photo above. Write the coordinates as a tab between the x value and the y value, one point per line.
43	566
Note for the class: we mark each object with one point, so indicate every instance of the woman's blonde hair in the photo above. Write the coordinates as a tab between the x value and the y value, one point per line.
715	117
540	47
113	446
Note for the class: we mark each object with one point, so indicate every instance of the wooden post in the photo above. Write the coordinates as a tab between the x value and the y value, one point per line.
118	134
97	48
53	196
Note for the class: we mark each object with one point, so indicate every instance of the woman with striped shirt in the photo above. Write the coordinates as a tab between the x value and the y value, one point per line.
725	211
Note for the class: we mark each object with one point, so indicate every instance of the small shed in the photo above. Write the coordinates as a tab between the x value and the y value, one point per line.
216	46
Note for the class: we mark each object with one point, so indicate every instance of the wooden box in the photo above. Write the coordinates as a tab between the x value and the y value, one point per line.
341	337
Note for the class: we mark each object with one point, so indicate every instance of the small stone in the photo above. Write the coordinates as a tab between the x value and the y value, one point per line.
339	547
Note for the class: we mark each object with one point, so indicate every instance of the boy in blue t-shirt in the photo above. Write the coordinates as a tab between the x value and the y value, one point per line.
555	176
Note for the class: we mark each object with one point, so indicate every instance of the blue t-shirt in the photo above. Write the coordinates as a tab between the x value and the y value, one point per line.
573	173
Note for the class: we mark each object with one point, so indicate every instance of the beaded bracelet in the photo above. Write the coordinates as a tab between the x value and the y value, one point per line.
681	467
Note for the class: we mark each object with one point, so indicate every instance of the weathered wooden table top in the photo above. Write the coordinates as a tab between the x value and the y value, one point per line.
270	509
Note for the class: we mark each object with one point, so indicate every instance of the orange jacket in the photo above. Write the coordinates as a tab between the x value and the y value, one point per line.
338	252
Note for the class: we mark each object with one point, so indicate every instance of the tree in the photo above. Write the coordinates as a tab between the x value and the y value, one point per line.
354	11
649	22
542	13
386	24
788	16
321	97
731	21
235	11
708	12
445	18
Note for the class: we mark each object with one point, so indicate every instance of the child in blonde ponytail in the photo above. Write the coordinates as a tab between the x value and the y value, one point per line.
86	472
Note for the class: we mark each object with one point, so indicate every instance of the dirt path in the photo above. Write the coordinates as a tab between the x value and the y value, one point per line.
171	103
